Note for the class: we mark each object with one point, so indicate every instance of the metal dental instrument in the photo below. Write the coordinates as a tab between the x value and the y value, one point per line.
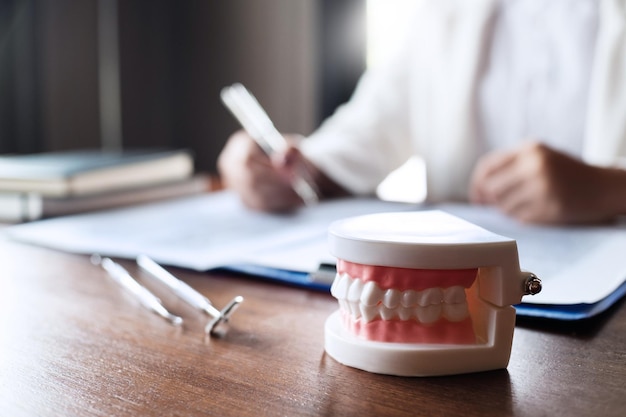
224	315
145	297
188	294
247	110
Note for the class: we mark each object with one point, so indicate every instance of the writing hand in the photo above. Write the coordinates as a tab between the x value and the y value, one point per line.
263	183
538	184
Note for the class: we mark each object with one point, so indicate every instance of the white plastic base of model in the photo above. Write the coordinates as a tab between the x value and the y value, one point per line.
404	359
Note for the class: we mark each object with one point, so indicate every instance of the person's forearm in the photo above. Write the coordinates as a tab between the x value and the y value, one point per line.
612	199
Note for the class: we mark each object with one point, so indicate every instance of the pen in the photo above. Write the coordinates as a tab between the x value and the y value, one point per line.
145	297
188	294
247	110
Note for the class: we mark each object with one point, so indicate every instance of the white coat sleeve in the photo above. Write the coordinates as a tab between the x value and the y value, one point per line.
369	136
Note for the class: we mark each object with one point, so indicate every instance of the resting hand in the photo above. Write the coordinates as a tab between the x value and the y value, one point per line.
541	185
263	183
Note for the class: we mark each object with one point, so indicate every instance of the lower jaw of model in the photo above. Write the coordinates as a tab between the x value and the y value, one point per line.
403	305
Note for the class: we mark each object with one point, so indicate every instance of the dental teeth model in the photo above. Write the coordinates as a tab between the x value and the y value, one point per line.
427	306
423	293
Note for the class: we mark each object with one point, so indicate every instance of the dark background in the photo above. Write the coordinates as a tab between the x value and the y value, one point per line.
301	58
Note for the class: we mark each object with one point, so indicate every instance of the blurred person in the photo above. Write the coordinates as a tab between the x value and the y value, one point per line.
519	104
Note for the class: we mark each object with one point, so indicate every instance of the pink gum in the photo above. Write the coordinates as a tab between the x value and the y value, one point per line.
411	331
406	278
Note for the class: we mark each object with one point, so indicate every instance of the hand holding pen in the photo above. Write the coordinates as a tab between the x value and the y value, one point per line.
269	173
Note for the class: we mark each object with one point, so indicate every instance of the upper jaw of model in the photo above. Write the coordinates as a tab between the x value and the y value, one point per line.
405	305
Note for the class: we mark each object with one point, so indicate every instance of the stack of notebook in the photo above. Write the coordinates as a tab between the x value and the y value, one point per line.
44	185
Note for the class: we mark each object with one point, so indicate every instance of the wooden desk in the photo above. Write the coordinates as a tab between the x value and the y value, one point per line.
74	344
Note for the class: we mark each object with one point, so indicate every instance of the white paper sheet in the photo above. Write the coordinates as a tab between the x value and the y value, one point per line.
577	264
202	232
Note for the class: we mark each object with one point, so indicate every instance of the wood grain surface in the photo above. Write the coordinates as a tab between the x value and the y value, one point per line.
73	343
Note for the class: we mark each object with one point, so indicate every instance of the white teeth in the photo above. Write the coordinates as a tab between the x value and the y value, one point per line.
409	298
371	294
430	296
369	313
340	286
368	301
392	298
387	313
333	288
454	295
405	313
455	312
355	290
355	310
429	314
